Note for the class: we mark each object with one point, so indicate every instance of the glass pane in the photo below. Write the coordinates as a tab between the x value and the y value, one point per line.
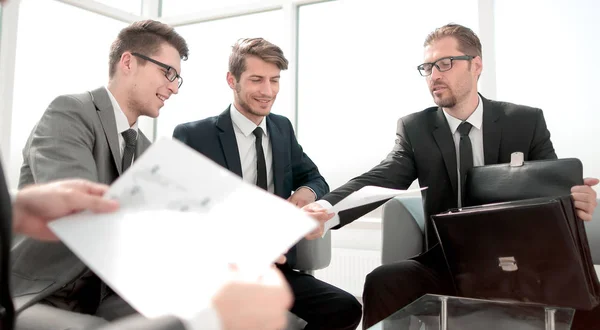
130	6
475	314
205	92
540	63
356	80
185	7
68	55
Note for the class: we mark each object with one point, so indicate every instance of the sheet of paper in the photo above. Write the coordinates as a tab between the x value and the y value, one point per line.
368	195
364	196
183	220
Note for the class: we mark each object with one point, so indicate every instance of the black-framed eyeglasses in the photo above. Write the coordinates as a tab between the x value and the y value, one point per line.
442	64
171	73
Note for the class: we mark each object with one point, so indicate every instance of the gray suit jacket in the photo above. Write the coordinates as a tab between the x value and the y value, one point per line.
75	138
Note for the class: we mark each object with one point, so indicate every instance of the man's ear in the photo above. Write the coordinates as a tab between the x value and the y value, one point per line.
478	63
126	63
231	81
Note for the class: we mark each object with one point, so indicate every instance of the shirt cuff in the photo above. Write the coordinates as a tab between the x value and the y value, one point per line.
325	204
309	188
207	319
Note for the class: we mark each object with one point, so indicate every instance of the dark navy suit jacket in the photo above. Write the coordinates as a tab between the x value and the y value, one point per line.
214	137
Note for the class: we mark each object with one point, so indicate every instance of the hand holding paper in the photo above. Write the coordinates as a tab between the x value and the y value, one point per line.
183	220
319	213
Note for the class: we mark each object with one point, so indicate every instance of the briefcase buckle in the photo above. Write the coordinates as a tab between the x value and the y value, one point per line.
516	159
508	264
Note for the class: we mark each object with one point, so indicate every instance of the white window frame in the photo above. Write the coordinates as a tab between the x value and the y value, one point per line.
152	9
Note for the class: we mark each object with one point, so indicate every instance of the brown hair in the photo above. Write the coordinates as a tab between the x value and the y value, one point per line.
145	37
468	42
258	47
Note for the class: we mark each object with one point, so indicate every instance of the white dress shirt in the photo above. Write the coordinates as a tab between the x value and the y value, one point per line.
121	121
244	128
475	135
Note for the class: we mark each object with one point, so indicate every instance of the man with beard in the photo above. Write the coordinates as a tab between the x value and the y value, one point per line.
261	147
430	146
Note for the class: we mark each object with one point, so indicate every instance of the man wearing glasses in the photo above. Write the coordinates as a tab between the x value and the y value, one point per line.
94	136
437	146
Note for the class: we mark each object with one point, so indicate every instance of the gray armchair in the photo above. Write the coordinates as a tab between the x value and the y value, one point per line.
403	224
402	229
310	256
313	255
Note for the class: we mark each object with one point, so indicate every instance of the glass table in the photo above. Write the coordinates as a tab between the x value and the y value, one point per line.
435	312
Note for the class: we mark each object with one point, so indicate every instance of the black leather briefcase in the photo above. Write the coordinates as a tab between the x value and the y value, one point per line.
522	180
532	247
533	250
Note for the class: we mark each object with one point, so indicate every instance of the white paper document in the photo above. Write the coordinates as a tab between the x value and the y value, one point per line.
183	220
365	195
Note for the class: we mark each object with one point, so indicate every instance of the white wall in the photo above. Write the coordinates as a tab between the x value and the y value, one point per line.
357	76
54	56
356	72
547	59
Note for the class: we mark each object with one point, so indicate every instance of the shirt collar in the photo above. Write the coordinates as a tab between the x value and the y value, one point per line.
475	119
245	125
120	118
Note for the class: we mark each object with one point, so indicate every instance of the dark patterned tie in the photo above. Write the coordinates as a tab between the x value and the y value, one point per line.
261	165
130	137
466	155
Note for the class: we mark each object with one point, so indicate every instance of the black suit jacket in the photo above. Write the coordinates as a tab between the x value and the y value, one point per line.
214	137
424	150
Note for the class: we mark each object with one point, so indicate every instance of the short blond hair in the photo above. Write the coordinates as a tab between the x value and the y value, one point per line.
258	47
468	42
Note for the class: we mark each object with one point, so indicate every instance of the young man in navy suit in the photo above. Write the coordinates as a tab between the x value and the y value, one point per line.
261	147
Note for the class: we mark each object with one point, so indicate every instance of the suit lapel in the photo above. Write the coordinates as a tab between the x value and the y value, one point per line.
229	143
492	132
107	118
445	142
142	144
277	148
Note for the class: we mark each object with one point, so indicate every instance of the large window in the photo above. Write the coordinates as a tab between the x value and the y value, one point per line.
205	91
66	52
547	61
130	6
186	7
357	76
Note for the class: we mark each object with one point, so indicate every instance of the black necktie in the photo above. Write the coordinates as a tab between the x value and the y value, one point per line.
130	137
466	155
261	166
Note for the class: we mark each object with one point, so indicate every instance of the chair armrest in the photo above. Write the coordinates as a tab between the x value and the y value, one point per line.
313	255
402	229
